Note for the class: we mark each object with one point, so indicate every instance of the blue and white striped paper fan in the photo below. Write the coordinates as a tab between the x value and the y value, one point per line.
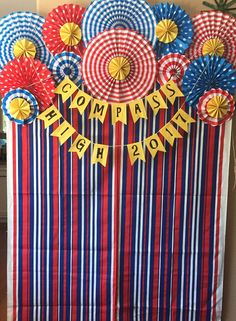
66	64
20	93
22	25
104	15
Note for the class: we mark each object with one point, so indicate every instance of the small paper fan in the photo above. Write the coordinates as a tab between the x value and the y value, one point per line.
21	35
215	107
172	66
61	31
119	65
104	15
20	106
206	73
174	30
29	74
66	64
214	34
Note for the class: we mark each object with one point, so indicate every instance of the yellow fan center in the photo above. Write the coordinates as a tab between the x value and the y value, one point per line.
24	48
119	68
213	46
71	34
19	108
166	31
217	107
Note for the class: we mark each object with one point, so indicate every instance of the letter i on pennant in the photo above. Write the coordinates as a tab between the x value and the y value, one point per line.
63	132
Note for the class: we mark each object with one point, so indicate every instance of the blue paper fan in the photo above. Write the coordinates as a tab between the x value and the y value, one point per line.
20	93
18	26
206	73
103	15
184	24
66	64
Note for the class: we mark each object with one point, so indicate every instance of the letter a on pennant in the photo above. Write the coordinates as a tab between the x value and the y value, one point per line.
99	110
154	145
100	154
66	89
63	132
170	133
182	119
80	145
81	101
156	102
171	91
50	116
136	152
137	109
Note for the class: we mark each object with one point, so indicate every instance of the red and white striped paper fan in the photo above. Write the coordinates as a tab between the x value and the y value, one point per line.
135	50
214	25
172	66
203	111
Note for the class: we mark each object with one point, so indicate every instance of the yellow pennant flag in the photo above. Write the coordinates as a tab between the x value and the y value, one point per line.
171	90
99	110
81	101
170	133
154	145
100	154
66	89
137	109
119	113
80	145
50	116
156	102
182	119
136	152
63	132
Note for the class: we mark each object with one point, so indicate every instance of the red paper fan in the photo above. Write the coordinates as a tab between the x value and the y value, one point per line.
214	33
29	74
172	66
119	65
61	30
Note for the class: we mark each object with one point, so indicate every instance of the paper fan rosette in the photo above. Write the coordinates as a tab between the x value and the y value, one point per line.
174	29
66	64
62	29
215	107
172	67
119	65
104	15
20	106
206	73
214	34
29	74
21	36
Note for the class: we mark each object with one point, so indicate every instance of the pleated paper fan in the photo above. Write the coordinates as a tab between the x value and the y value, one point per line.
21	35
104	15
174	30
119	65
66	64
215	107
206	73
172	67
62	29
29	74
20	106
214	34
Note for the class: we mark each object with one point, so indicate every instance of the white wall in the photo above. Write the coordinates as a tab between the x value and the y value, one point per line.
8	6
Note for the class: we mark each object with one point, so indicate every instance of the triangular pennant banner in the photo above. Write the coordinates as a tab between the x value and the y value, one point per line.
156	102
182	119
119	113
136	152
80	145
171	91
98	110
66	89
138	110
63	132
81	101
100	154
50	116
170	133
154	145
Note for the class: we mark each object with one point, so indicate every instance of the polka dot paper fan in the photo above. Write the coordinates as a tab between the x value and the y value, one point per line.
29	74
119	65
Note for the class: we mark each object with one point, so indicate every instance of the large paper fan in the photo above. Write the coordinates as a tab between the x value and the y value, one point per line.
29	74
206	73
104	15
119	66
214	34
21	35
62	32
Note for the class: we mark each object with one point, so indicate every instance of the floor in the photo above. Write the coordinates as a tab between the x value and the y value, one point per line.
3	272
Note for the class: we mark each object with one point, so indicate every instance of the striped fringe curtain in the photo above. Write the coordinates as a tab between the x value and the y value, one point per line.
141	243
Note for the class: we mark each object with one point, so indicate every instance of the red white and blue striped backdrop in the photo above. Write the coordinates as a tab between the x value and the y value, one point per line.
143	243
